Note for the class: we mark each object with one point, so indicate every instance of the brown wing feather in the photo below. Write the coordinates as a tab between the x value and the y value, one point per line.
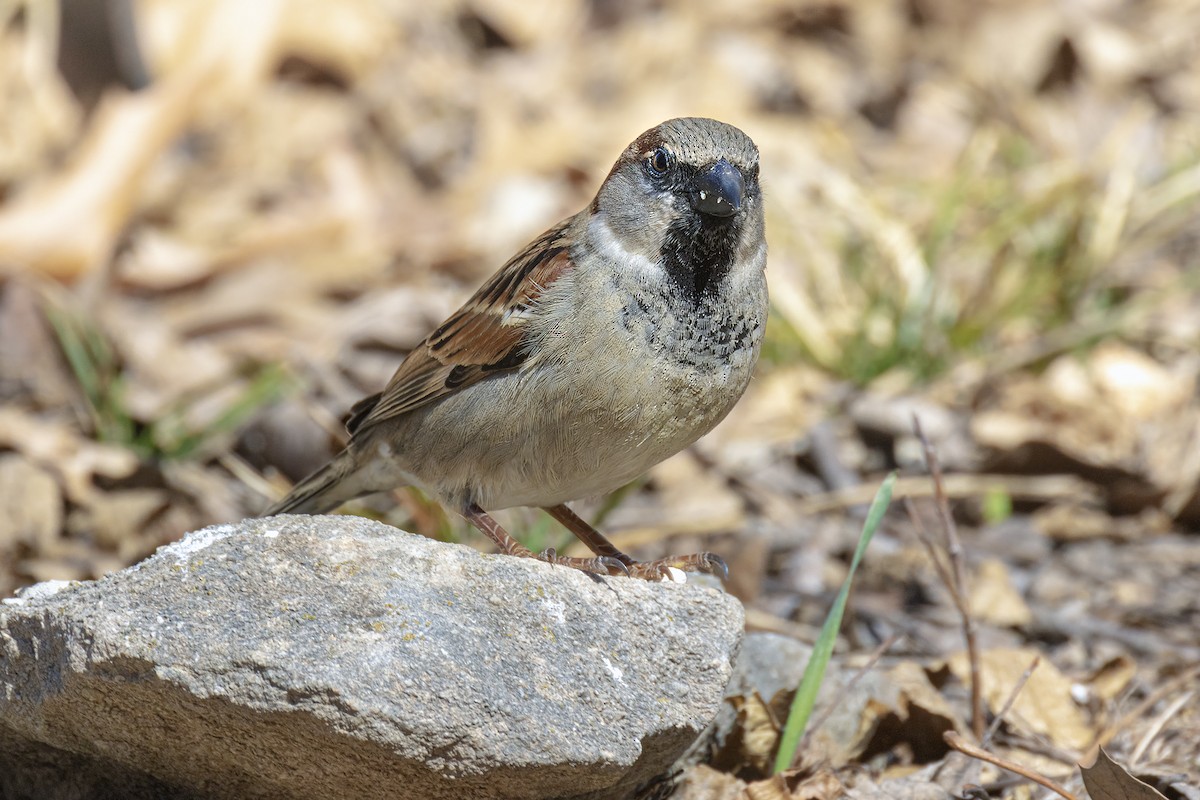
486	336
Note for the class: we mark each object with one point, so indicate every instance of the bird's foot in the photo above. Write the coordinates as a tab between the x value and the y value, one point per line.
601	565
660	569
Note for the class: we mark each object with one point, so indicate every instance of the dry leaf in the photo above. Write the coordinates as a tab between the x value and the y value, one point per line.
531	22
702	782
883	711
116	519
31	504
158	260
59	447
1014	44
994	600
349	36
1072	522
68	560
909	787
1172	450
1107	780
1062	410
690	492
1135	384
822	786
773	788
1044	706
1111	678
40	114
754	738
94	197
32	368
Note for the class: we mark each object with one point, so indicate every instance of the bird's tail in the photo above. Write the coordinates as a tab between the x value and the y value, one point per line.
324	490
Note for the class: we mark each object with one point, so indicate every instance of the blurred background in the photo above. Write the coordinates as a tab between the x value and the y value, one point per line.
221	223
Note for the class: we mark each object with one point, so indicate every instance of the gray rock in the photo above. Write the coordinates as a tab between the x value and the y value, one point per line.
767	665
338	657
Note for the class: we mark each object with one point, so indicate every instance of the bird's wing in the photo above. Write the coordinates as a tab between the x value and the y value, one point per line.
488	335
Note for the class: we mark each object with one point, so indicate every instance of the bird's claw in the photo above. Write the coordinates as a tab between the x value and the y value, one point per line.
660	569
602	565
613	563
714	565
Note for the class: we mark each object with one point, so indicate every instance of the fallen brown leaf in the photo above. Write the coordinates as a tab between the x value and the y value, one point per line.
1112	677
893	710
115	520
61	448
94	197
994	600
31	504
1107	780
755	734
1043	707
823	785
702	782
773	788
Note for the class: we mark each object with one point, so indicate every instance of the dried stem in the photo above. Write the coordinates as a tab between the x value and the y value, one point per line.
931	549
954	740
1012	698
958	587
1157	726
1182	679
872	660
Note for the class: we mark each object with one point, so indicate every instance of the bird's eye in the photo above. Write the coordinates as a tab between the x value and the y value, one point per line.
659	162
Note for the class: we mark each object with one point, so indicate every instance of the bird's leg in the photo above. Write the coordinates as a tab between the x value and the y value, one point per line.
650	570
585	533
604	565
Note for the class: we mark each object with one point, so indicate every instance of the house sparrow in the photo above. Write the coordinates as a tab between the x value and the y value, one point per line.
614	340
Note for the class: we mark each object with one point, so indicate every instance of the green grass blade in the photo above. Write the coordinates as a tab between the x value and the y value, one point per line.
267	386
97	370
814	672
73	349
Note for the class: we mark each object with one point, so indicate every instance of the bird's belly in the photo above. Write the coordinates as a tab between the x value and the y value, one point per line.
604	442
606	398
552	436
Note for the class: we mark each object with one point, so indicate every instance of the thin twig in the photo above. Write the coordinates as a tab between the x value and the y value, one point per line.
248	475
1038	744
958	743
757	619
1157	726
958	563
824	451
1085	626
755	499
1042	488
1152	699
823	717
930	546
1012	698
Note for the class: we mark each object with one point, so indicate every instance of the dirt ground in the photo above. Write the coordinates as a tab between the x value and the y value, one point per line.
225	226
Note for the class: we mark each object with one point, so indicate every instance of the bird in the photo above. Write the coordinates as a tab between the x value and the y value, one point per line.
611	342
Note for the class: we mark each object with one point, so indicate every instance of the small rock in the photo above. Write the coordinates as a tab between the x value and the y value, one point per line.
338	657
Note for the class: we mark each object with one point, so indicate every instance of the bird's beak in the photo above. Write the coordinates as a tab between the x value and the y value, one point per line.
717	190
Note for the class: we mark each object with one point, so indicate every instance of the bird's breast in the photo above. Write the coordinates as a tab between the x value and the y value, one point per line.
621	382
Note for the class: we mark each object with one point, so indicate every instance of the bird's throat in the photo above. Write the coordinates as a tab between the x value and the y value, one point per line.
697	255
